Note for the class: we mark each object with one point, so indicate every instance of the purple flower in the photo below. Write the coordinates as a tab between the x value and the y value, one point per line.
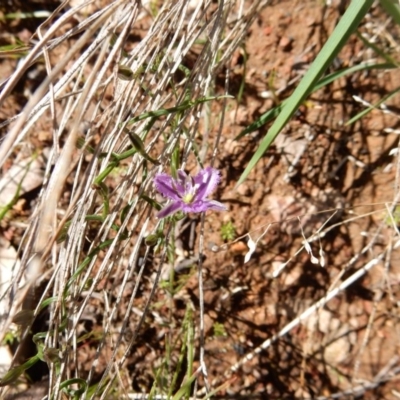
188	194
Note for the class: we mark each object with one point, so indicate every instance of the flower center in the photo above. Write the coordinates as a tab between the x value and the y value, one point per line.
188	198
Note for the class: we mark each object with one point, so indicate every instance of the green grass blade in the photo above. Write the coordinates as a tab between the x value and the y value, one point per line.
326	80
14	373
69	387
185	388
166	111
346	26
374	106
392	8
377	50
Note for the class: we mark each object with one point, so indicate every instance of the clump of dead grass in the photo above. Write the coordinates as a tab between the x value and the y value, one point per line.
89	220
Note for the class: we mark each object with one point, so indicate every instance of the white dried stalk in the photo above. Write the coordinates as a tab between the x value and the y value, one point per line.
309	311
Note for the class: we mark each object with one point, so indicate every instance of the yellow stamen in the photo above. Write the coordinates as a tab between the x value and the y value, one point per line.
188	198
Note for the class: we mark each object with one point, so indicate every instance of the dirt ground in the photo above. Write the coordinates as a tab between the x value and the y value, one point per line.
320	176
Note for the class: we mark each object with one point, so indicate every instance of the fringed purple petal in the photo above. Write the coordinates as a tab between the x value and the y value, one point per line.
180	181
207	180
170	209
181	176
197	207
215	205
202	206
166	185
